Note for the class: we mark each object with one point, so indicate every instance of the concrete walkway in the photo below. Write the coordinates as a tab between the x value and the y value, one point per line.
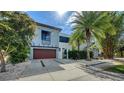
54	71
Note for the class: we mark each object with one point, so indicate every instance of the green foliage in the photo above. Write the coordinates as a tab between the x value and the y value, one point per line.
104	28
19	55
88	24
111	44
74	54
16	31
76	39
116	69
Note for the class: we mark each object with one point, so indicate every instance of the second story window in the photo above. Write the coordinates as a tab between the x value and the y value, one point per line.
45	36
63	39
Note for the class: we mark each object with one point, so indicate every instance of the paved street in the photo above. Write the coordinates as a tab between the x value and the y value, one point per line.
54	71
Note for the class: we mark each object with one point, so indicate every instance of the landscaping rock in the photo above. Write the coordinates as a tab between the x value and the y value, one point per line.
13	72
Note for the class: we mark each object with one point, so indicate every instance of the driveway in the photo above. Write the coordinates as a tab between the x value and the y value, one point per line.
55	71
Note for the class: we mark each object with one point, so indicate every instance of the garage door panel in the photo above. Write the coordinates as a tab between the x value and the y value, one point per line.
44	53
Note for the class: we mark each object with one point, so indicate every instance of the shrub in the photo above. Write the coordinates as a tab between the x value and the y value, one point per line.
74	54
19	55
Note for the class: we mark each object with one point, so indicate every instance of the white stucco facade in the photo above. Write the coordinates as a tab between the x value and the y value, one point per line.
54	37
63	46
94	50
37	42
55	34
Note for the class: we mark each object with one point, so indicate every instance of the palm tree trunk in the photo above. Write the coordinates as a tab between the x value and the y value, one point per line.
3	66
88	52
88	35
108	47
78	44
121	52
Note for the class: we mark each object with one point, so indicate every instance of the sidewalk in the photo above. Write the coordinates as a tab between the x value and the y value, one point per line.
54	71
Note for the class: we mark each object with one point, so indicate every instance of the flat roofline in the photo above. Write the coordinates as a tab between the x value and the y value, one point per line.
64	35
49	26
43	46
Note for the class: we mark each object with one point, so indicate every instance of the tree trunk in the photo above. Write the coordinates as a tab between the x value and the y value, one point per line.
121	52
108	47
78	44
88	52
88	35
3	66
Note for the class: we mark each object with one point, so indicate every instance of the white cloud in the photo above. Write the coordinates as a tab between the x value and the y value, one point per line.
71	18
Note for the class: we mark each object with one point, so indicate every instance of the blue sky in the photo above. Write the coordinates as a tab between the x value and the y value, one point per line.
52	18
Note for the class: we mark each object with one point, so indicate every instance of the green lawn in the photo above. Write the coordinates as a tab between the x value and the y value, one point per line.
116	69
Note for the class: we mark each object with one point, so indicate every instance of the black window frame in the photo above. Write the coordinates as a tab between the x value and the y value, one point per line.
63	39
42	37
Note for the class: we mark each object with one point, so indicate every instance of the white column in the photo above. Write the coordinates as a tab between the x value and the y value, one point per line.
57	53
31	53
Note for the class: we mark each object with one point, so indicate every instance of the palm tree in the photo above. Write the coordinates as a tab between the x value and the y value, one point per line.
91	24
111	42
76	39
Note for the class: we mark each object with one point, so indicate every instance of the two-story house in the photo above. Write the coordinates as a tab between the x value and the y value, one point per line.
48	42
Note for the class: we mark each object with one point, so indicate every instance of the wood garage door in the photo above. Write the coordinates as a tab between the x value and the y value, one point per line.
44	53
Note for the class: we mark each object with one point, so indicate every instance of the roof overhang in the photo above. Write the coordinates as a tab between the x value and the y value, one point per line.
48	26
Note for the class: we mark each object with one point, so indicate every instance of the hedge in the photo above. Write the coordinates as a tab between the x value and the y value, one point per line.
74	54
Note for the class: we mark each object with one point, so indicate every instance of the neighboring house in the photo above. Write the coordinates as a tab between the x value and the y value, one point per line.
95	51
48	42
